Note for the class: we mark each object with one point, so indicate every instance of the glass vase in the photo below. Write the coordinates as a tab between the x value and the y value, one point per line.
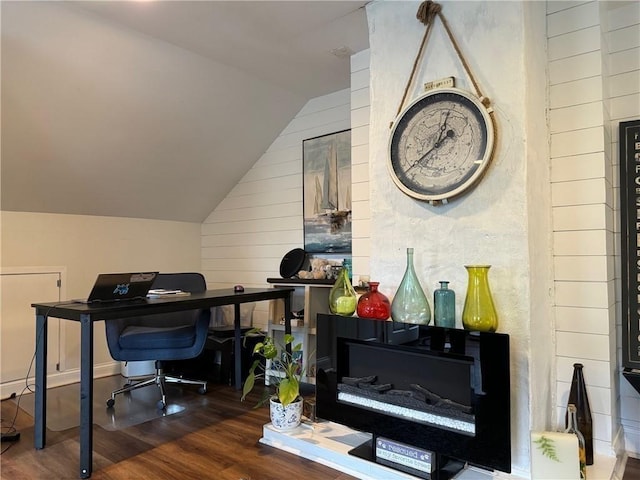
410	304
342	297
444	306
479	313
374	304
578	397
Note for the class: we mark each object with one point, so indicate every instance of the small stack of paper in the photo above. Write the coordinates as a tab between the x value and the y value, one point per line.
163	293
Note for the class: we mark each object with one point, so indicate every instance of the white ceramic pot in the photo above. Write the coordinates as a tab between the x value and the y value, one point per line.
285	418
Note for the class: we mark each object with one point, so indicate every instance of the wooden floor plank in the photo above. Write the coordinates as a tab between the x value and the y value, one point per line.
216	439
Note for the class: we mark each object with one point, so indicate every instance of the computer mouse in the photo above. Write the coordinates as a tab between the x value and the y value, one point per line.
238	288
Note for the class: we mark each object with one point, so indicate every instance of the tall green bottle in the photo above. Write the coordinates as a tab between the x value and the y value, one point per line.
410	304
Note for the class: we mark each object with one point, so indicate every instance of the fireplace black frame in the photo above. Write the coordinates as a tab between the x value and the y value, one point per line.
489	446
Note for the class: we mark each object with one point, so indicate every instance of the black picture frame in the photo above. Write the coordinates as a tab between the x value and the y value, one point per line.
630	234
326	177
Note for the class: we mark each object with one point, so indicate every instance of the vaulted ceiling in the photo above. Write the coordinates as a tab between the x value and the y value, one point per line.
157	109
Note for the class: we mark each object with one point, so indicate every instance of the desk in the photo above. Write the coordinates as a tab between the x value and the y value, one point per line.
88	314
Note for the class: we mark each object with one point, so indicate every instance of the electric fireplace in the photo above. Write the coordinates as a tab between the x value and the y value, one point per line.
432	398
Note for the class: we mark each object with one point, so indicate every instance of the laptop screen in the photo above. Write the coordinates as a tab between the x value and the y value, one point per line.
111	287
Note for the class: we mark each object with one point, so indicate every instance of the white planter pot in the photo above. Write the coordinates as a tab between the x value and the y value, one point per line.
285	418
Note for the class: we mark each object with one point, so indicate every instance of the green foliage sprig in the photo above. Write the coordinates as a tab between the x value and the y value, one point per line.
548	448
288	369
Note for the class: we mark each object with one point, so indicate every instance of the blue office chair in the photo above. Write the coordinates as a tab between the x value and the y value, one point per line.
161	337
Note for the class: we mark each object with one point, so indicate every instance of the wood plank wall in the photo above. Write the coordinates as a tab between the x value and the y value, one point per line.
593	84
623	42
260	220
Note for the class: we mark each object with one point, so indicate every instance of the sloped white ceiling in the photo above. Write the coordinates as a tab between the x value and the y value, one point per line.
156	109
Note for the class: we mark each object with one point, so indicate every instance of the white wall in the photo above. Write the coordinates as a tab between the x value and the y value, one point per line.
360	196
582	210
88	245
260	220
594	64
622	40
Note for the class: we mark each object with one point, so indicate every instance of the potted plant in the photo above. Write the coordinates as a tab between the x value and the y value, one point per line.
285	374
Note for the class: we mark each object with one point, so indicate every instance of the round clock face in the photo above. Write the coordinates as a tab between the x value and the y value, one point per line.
440	145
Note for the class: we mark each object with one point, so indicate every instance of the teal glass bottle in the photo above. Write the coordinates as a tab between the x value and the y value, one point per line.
444	306
410	304
346	263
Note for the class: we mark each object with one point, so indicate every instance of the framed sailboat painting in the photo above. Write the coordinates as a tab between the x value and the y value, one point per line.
326	164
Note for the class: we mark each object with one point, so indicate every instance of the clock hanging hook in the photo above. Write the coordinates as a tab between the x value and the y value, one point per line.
427	12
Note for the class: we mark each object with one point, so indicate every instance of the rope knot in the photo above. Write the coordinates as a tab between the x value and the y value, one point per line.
427	11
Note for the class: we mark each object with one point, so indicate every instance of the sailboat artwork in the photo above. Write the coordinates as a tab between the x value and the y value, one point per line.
327	189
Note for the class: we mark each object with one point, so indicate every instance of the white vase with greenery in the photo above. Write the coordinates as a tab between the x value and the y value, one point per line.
285	373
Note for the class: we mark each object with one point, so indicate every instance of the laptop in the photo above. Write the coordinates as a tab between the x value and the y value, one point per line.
114	287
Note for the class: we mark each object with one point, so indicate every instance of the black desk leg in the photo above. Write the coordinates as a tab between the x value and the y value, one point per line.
237	348
41	382
86	395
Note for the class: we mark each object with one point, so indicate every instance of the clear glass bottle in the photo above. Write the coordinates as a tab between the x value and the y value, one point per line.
342	297
374	304
573	428
410	304
479	312
444	306
578	396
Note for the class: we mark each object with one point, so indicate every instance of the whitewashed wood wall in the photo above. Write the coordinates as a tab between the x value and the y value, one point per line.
246	236
360	113
623	45
593	84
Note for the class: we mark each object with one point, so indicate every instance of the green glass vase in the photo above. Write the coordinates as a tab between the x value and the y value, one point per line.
479	312
410	304
342	297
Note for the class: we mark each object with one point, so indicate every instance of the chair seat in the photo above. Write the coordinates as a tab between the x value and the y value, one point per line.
145	338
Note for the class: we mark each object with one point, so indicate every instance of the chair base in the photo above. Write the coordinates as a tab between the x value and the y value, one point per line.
159	379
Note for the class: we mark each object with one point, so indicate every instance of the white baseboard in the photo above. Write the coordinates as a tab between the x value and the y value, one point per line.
56	379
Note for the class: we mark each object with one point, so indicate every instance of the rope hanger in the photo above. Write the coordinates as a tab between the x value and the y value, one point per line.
427	12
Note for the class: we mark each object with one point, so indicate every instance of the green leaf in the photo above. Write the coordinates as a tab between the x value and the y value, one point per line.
248	385
288	391
548	448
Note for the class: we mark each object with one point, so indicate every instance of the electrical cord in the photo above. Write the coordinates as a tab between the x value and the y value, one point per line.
11	434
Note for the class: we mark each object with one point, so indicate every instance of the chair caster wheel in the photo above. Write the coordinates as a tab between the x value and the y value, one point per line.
110	403
161	405
202	390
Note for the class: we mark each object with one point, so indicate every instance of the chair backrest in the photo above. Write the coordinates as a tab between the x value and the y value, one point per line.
188	282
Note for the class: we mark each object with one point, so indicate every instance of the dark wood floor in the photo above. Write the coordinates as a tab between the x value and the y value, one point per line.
632	470
216	440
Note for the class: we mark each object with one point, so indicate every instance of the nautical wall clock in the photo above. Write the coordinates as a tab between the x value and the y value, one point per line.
441	144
